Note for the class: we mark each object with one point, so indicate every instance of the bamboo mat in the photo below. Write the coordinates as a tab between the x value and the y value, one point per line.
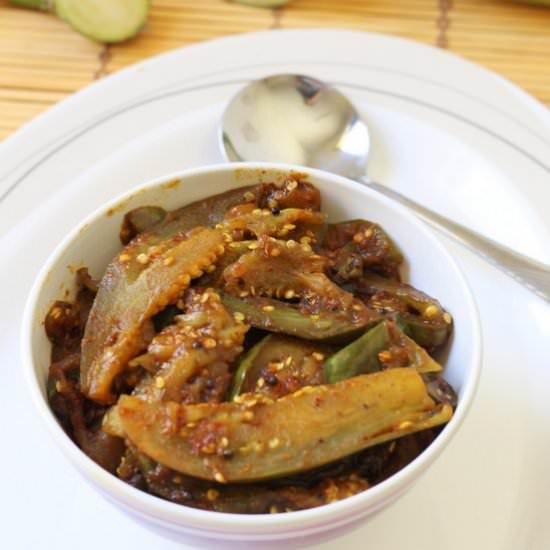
42	60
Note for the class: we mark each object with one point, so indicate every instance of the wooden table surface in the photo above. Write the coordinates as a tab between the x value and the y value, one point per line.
42	60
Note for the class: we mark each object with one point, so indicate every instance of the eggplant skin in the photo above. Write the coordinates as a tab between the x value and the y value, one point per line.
272	438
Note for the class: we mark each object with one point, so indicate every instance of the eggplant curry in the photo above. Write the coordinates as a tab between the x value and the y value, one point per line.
241	354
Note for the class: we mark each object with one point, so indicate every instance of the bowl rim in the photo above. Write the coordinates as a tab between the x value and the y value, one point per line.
220	523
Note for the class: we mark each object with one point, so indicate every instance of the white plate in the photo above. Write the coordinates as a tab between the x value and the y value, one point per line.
451	134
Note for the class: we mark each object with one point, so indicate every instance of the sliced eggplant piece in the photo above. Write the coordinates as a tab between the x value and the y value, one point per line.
354	246
383	346
271	438
140	220
420	316
287	318
279	365
136	286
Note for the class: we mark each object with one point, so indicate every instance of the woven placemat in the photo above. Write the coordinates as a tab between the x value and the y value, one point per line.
42	60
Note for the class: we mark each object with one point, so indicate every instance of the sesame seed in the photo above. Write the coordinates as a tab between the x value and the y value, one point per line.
289	226
212	494
221	249
142	258
274	443
291	244
191	424
204	297
289	294
238	316
177	479
392	447
234	245
447	318
291	185
384	356
288	361
58	386
431	311
314	317
248	415
260	383
274	510
305	240
224	442
253	246
356	307
227	237
209	343
252	291
368	232
218	226
275	252
211	268
168	261
56	312
405	425
266	212
272	203
257	446
208	449
248	196
243	294
159	382
218	476
306	248
256	211
318	356
125	257
268	308
358	237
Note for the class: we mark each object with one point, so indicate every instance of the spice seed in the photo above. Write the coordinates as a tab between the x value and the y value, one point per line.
212	494
142	258
209	343
238	316
218	476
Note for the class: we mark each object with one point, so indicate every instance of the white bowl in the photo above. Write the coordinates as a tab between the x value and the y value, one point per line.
92	244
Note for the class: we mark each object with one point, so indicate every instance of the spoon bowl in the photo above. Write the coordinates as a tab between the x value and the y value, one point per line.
298	120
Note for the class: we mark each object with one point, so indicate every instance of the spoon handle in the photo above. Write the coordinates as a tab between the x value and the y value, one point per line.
530	273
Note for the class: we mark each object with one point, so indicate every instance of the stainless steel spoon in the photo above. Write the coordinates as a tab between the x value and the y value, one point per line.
300	120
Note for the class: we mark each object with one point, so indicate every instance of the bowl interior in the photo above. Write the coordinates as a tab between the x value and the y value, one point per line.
428	266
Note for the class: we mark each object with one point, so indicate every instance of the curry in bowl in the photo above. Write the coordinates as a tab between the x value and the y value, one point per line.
240	354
